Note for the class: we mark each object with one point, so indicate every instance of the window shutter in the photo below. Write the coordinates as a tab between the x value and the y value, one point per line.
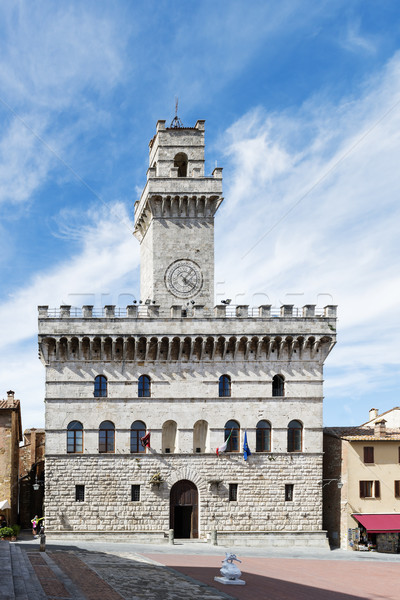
362	489
377	489
368	454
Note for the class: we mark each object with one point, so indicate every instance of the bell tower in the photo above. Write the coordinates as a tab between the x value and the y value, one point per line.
174	220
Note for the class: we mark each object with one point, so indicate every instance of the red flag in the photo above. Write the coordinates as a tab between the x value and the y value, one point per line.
146	440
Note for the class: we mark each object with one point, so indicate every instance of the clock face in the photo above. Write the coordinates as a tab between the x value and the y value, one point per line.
183	278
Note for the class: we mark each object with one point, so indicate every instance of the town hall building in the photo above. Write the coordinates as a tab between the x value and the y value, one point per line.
139	399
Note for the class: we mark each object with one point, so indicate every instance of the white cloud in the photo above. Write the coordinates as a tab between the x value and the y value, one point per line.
109	253
104	268
313	197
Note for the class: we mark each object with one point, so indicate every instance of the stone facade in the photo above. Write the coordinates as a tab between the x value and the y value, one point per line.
184	345
10	436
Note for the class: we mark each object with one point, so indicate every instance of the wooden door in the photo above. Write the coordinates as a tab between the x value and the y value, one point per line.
184	510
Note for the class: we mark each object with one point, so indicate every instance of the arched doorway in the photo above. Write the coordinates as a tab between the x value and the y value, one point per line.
184	510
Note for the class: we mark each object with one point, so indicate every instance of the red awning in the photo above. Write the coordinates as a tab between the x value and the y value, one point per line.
379	523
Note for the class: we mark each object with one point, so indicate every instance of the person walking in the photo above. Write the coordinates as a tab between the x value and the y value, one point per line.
35	522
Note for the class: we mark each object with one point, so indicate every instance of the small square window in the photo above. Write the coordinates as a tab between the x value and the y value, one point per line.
233	490
79	493
167	450
135	493
198	450
289	492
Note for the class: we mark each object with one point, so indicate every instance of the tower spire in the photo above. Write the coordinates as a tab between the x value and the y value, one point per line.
176	122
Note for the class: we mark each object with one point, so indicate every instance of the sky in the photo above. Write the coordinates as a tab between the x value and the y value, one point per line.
302	107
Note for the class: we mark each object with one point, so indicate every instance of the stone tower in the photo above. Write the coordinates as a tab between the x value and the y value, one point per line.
174	221
188	377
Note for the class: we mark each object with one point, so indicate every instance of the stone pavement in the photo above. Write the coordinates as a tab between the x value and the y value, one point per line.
106	571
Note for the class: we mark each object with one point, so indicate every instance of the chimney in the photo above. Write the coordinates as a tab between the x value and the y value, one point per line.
10	394
373	413
380	428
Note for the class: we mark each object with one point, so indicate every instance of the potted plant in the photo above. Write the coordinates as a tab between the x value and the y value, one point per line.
6	533
16	529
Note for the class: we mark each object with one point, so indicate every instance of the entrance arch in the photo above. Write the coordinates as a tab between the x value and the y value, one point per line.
184	509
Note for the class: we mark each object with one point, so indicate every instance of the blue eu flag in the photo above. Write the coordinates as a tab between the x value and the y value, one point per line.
246	449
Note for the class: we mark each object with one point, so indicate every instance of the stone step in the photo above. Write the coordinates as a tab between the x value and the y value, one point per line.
190	541
7	586
26	583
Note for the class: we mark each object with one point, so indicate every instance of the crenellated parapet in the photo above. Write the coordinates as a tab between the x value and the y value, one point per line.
150	310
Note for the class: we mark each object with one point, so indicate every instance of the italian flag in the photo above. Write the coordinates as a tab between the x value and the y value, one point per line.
225	445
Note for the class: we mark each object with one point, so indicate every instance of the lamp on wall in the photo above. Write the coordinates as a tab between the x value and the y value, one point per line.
37	483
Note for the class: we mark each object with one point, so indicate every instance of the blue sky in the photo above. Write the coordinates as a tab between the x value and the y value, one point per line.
302	108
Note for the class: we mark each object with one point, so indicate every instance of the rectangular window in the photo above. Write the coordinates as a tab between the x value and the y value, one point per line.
79	493
399	454
397	489
368	454
289	492
233	490
370	489
135	493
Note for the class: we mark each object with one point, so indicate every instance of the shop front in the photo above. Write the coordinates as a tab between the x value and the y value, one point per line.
380	532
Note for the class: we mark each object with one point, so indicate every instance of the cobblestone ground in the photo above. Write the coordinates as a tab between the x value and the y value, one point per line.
83	575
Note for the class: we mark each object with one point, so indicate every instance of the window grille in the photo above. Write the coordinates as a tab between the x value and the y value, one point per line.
135	493
79	493
233	492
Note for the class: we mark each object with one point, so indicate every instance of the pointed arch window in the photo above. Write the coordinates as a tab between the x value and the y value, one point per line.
224	386
107	437
232	428
100	386
138	430
144	386
263	437
74	437
278	385
295	437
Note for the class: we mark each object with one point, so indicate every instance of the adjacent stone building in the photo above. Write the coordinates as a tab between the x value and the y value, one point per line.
10	437
362	483
31	476
190	375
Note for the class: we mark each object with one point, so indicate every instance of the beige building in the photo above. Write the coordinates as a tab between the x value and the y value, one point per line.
191	375
362	483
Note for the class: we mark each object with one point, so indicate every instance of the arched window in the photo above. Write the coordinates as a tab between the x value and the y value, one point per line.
295	437
74	437
138	430
232	429
100	386
144	386
181	161
201	436
169	435
263	437
106	437
224	386
278	385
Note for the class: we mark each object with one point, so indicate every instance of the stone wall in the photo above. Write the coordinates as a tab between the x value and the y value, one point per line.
261	505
